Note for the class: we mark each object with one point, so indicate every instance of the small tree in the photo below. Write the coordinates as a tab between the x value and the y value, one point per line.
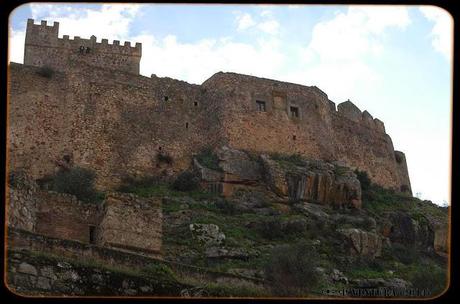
77	181
363	179
186	181
291	270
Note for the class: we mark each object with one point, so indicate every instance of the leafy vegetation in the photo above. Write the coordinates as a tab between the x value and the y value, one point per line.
186	181
209	159
288	160
76	181
291	270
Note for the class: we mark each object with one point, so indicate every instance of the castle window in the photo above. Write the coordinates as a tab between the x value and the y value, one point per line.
294	112
186	125
294	137
159	148
261	106
195	104
92	234
166	98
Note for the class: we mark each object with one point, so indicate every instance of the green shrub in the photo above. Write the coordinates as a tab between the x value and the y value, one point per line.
429	278
158	270
226	207
405	254
46	72
363	179
288	160
77	181
186	181
130	184
209	159
270	229
291	270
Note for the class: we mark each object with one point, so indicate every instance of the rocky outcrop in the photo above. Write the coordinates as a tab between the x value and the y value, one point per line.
402	228
363	243
313	181
22	198
209	234
237	165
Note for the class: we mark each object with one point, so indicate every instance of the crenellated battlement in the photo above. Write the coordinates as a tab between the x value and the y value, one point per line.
43	47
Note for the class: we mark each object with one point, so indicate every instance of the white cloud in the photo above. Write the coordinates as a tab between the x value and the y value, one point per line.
340	49
442	31
16	45
108	21
270	27
195	62
245	21
264	22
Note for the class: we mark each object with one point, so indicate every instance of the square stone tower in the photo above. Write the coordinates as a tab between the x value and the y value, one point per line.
43	47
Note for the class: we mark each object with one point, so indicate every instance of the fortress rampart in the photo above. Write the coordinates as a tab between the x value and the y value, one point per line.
44	48
108	118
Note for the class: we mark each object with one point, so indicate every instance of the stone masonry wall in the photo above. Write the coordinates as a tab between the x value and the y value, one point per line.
63	216
317	131
44	48
110	122
131	223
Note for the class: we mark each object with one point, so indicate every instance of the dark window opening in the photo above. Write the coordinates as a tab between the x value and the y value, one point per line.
166	98
294	137
159	148
195	104
186	125
294	112
261	106
92	234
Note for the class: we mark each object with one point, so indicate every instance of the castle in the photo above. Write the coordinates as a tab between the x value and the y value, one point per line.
96	111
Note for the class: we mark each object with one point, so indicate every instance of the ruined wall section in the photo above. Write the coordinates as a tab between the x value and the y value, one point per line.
132	223
62	216
43	47
113	123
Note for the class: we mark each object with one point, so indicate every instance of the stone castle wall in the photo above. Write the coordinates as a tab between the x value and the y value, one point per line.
119	124
43	47
317	130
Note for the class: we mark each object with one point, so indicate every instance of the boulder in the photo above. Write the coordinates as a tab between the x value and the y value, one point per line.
363	243
313	181
400	227
208	234
237	165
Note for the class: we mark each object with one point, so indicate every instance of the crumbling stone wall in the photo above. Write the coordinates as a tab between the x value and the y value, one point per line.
132	223
63	216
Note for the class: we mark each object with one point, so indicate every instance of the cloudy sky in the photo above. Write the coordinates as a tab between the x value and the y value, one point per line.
394	61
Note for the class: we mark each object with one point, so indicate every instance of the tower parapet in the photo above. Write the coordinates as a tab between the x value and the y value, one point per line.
43	47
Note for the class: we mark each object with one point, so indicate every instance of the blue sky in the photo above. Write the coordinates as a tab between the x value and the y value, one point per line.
394	61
